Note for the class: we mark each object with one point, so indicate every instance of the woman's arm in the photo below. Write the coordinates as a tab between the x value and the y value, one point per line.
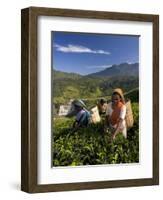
121	118
74	124
107	117
117	128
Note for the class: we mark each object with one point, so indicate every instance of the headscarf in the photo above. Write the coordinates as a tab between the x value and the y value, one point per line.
79	103
120	92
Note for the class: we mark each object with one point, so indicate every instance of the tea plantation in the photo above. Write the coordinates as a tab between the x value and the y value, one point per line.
90	146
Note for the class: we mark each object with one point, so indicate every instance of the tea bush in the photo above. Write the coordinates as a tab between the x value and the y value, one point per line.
90	146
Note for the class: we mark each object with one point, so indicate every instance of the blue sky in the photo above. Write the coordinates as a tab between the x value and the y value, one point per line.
86	53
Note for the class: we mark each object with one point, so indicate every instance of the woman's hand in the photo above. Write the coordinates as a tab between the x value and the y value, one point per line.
74	124
113	136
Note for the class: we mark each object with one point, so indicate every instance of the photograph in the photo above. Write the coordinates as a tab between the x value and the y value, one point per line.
95	99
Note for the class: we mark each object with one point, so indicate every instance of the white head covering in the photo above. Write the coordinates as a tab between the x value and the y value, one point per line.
79	103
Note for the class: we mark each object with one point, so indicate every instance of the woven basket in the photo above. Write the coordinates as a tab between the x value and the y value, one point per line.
95	117
129	115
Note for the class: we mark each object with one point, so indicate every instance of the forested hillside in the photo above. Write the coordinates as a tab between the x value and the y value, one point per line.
68	86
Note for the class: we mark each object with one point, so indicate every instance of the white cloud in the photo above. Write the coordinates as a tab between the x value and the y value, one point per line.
78	49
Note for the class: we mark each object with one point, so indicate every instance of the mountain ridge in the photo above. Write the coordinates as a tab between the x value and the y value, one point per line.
123	69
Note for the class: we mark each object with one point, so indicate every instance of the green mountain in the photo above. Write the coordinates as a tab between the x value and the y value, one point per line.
68	86
64	75
123	69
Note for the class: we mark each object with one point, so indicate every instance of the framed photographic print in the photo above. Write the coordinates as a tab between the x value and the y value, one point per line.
90	99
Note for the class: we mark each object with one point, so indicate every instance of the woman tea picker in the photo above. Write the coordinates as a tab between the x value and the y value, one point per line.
82	115
102	105
115	114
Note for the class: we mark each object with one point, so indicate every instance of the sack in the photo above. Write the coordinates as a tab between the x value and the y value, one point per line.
95	117
129	115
